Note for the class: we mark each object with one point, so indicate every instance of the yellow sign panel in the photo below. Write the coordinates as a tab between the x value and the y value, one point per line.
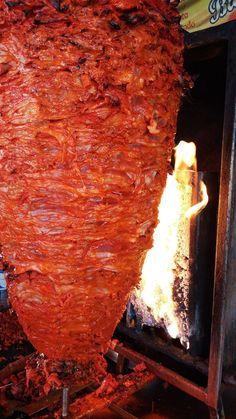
201	14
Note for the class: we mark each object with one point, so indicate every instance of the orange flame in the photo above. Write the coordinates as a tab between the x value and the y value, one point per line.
175	211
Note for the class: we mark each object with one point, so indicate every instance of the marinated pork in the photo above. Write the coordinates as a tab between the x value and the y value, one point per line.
89	95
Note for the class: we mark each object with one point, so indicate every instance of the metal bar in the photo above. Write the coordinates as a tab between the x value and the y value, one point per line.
121	412
5	386
225	216
157	344
202	262
165	373
4	306
217	413
65	399
120	364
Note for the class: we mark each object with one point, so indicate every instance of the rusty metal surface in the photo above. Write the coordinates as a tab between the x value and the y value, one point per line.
165	373
223	273
152	342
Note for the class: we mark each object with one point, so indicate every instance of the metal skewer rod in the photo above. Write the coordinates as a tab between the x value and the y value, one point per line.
65	398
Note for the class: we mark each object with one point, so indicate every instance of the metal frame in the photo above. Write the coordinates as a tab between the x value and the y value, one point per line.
225	212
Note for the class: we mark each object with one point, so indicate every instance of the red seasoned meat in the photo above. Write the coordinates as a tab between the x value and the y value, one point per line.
89	97
11	332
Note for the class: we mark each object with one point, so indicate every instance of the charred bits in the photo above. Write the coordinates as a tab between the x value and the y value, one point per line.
134	19
82	60
114	25
115	101
57	4
12	3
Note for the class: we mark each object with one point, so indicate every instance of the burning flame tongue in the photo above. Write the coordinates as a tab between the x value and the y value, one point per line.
168	259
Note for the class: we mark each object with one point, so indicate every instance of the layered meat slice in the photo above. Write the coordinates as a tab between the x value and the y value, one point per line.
90	92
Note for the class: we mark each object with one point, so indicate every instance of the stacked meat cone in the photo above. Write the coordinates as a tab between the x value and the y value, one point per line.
89	98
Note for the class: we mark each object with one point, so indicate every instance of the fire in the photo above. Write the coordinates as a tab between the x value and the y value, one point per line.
169	258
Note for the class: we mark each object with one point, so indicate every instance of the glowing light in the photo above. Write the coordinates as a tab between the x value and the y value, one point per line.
196	209
168	259
185	156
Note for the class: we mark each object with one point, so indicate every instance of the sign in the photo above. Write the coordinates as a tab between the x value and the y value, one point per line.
202	14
